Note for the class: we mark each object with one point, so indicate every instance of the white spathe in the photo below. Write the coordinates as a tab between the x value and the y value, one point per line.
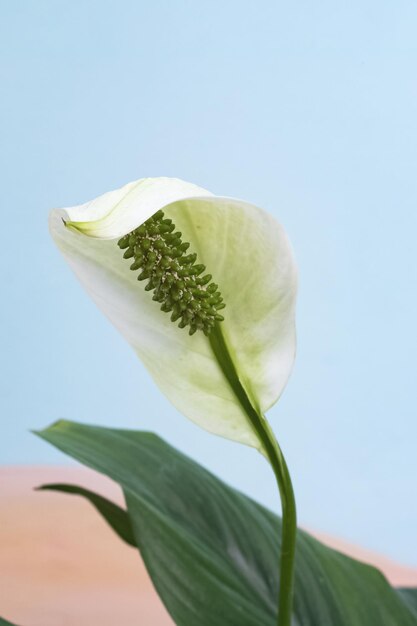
250	258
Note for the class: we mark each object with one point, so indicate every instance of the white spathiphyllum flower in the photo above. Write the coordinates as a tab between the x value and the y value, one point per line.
229	279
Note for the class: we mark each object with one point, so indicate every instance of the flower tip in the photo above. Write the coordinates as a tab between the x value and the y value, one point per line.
74	226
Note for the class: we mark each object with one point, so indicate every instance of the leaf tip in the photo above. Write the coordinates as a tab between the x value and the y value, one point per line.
60	425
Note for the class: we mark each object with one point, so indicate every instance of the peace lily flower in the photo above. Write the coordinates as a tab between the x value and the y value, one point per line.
247	254
218	267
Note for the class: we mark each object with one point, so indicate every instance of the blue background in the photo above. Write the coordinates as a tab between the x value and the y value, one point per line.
307	109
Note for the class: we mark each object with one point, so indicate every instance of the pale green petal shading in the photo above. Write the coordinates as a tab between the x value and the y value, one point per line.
250	258
117	212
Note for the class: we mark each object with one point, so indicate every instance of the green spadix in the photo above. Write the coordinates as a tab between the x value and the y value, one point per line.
175	278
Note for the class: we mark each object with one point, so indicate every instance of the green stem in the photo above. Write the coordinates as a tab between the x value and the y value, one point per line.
279	466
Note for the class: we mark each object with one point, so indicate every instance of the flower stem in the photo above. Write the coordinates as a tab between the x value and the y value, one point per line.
279	466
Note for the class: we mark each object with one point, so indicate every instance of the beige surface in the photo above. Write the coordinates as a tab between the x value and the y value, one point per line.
60	565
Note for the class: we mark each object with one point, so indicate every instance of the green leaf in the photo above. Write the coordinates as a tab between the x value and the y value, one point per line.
4	622
410	596
114	515
213	553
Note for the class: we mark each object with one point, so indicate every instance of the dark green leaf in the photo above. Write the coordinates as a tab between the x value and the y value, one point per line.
114	515
4	622
410	597
213	553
